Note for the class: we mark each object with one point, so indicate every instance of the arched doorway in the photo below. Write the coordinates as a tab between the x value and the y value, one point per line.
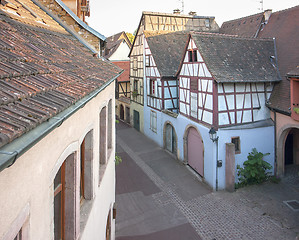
287	150
121	112
291	150
195	151
170	138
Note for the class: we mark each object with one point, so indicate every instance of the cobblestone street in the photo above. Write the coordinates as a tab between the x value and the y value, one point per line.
160	198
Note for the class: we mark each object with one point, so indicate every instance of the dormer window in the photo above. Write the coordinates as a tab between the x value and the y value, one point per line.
192	56
207	23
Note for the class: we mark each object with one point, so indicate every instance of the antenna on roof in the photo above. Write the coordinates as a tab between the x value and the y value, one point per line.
182	2
262	5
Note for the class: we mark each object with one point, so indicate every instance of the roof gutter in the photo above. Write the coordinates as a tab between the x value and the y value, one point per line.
66	27
12	151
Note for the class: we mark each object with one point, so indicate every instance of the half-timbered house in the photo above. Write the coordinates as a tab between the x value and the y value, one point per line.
220	84
117	50
156	23
283	26
57	144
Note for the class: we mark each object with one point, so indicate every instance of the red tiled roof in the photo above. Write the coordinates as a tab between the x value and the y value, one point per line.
125	65
244	27
42	73
284	27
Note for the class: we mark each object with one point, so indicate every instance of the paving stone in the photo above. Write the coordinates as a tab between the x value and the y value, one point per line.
255	212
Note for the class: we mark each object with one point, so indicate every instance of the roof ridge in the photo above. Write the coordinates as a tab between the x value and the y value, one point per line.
249	16
287	9
231	36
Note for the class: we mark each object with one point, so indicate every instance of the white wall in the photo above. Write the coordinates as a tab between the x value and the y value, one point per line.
121	53
30	179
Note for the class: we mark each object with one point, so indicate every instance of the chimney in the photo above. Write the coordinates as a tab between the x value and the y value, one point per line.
191	13
267	14
176	11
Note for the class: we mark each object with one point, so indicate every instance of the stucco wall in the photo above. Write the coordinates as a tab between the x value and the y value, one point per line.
30	179
121	53
260	138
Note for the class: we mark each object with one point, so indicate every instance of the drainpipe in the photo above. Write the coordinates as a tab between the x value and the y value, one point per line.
275	145
217	164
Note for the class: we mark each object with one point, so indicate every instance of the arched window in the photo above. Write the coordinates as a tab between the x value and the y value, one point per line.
66	202
103	136
86	167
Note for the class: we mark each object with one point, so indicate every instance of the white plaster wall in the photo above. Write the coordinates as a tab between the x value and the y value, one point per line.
250	138
260	138
30	179
122	53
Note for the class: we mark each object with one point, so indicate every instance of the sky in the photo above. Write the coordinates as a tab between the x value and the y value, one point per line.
109	17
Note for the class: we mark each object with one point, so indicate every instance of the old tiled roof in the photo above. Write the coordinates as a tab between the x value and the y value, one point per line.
111	48
167	50
235	59
27	12
43	71
114	41
125	65
284	27
294	72
244	27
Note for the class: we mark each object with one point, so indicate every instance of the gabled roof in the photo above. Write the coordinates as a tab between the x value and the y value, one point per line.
125	65
235	59
116	37
243	27
167	51
43	72
186	22
284	27
114	41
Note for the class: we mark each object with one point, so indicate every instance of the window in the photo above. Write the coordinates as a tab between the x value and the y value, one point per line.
236	141
147	61
207	22
103	136
110	122
152	87
153	121
19	228
135	85
59	204
66	200
108	227
192	56
86	168
135	63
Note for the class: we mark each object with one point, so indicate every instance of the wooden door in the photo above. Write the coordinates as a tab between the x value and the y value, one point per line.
169	138
127	114
121	112
195	151
136	120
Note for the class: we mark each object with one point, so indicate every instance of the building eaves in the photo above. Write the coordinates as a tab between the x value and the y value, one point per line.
44	77
79	21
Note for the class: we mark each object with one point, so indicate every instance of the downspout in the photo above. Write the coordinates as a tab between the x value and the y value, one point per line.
12	151
275	145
